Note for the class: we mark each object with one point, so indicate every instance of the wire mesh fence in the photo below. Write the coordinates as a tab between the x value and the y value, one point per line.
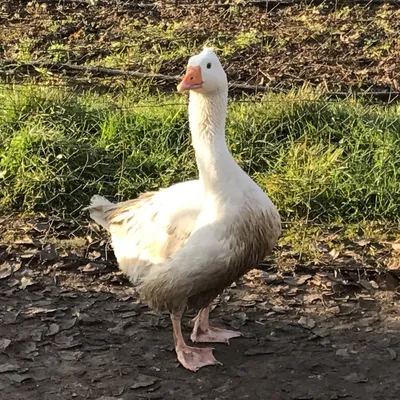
317	158
86	104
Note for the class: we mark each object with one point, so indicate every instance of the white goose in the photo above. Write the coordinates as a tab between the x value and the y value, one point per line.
183	245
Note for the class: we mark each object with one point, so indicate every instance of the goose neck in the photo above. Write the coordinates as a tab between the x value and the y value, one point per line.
207	117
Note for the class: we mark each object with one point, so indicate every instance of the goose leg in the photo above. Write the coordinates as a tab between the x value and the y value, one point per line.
192	358
203	332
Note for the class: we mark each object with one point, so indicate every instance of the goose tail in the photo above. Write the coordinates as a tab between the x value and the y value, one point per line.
98	206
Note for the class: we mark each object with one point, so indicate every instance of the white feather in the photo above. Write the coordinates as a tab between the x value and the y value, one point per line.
98	205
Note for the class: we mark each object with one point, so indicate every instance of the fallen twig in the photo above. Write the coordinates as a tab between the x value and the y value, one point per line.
103	71
91	70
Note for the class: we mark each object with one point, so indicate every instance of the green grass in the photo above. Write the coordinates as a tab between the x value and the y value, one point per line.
319	159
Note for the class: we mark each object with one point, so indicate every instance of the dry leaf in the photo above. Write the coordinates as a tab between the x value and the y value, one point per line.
41	226
129	314
393	263
71	355
374	284
392	353
92	268
143	381
68	324
334	254
354	377
18	378
365	284
321	332
24	240
8	367
252	297
396	246
4	343
25	282
361	241
53	330
297	280
119	329
307	323
342	353
94	255
5	270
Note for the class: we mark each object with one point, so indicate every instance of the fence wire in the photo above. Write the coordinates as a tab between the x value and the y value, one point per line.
308	150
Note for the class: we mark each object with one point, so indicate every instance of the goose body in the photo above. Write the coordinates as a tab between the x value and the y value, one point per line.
185	244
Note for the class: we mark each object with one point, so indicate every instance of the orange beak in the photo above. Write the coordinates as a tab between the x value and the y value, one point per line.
191	80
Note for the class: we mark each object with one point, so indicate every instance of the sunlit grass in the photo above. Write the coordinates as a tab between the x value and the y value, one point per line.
317	159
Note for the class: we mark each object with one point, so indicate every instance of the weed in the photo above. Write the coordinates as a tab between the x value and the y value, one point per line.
247	38
59	52
24	49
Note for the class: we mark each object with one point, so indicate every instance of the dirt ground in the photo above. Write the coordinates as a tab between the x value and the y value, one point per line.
72	328
333	45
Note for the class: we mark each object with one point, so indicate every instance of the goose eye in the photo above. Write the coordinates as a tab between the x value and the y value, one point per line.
208	65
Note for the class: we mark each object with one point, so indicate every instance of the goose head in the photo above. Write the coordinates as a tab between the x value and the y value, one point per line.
204	74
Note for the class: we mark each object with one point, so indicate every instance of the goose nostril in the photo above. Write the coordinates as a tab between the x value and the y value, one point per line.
191	78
